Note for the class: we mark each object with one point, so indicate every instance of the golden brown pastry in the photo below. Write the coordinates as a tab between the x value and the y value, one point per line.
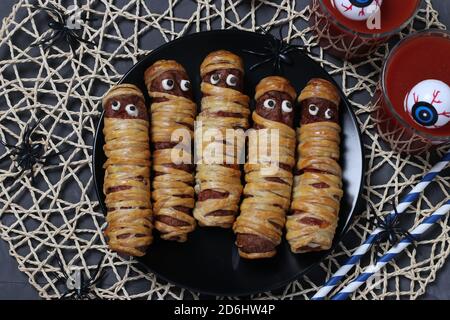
268	181
127	171
173	113
224	106
318	182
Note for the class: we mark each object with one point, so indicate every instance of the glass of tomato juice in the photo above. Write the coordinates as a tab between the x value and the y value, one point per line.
413	98
349	39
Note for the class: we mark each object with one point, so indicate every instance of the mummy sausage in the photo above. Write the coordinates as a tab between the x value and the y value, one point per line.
127	171
268	193
224	106
172	109
318	184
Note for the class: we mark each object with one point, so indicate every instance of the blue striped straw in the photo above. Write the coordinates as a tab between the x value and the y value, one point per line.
412	196
370	271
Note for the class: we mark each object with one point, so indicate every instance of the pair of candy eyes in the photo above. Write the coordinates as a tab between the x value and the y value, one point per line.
168	84
131	109
314	110
231	79
286	105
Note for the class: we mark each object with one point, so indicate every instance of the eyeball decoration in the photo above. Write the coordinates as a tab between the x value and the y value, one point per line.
270	104
286	106
215	78
115	105
313	109
428	103
231	80
168	84
132	110
185	85
357	10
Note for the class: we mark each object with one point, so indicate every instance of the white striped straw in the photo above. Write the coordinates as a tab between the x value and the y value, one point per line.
370	271
412	196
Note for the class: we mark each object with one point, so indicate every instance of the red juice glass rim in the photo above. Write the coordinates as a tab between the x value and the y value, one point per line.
387	101
368	35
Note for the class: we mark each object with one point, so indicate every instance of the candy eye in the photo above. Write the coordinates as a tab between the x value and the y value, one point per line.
215	78
270	104
328	114
168	84
115	105
286	106
313	109
357	10
232	80
132	110
428	103
185	85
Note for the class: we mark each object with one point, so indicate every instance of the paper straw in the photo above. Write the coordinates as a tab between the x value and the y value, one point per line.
412	196
370	271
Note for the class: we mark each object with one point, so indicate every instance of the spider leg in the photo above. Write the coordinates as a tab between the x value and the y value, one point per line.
85	18
96	271
262	30
285	58
33	177
71	38
44	159
67	294
58	12
23	163
276	65
55	39
56	277
261	63
73	34
411	238
51	9
292	49
30	130
22	171
61	267
72	43
261	54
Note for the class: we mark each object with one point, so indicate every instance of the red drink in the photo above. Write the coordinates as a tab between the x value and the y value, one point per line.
421	56
350	39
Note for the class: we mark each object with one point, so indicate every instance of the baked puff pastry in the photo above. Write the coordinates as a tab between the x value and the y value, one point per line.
318	184
127	171
223	107
172	121
268	179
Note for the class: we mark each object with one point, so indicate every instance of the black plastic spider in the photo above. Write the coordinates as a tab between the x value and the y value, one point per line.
26	154
391	232
61	28
79	288
276	52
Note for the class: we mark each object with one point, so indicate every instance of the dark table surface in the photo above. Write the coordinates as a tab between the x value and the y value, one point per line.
14	284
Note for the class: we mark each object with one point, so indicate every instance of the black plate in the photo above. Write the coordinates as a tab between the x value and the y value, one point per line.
209	262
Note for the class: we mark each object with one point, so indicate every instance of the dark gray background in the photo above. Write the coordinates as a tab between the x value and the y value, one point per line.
14	284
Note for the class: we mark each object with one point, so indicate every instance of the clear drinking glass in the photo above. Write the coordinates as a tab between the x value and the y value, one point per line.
354	40
430	51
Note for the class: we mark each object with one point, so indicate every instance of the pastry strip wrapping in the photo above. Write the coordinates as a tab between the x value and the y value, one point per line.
172	117
127	171
267	193
223	107
318	185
